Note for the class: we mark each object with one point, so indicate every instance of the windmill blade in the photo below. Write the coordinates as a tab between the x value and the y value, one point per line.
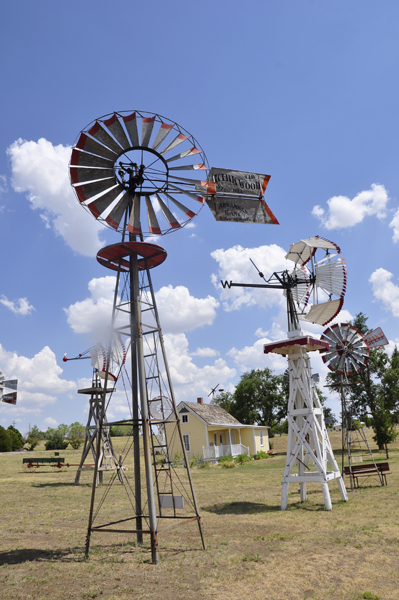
303	250
89	145
146	130
2	378
117	131
164	130
98	357
181	206
82	159
89	190
81	175
152	219
323	313
131	127
116	214
195	197
178	140
99	206
190	152
331	276
194	182
171	219
198	167
104	137
134	220
10	398
10	383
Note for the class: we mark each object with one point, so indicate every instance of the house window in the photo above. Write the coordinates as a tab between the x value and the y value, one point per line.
186	440
215	439
221	439
261	437
184	418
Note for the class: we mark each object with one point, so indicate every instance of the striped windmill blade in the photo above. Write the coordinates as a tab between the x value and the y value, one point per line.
98	357
85	175
147	126
152	219
130	122
118	351
97	207
100	134
82	159
134	220
324	312
10	383
195	197
89	190
115	216
178	140
302	289
331	275
181	206
114	126
164	130
171	219
87	144
199	167
190	152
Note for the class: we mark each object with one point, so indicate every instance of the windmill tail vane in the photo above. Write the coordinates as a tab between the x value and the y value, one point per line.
10	384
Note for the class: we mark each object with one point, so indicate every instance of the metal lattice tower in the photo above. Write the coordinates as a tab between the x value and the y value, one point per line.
107	459
115	169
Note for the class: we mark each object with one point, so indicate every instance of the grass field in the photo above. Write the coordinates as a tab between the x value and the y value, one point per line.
254	550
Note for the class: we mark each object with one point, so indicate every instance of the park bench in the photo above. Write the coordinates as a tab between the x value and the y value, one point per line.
369	470
53	461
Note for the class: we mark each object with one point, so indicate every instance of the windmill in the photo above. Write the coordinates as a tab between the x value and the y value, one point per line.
348	354
10	384
314	291
130	177
107	457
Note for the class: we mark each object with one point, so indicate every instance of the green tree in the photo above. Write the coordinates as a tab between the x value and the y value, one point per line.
225	400
76	435
5	440
17	440
55	440
259	398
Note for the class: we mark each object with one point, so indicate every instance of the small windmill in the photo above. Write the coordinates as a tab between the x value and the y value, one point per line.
313	282
107	457
10	384
348	354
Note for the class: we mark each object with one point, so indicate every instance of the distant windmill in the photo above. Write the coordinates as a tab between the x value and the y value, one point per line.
213	390
11	397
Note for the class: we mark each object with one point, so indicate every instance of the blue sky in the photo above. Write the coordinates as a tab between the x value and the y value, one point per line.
304	91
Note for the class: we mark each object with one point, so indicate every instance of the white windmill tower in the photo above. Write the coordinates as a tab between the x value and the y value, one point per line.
313	282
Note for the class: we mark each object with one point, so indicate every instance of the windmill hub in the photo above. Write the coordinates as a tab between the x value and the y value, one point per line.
142	170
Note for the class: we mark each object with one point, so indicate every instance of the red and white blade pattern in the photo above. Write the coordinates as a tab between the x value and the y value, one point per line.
102	172
348	349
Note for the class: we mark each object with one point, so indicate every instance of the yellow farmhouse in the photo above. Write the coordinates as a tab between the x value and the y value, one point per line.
210	432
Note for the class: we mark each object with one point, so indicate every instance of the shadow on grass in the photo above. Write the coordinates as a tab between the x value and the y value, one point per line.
61	485
14	557
240	508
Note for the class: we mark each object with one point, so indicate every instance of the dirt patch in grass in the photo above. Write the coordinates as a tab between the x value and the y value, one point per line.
254	550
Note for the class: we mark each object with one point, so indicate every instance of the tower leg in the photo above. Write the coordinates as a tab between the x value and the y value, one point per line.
284	495
303	492
326	496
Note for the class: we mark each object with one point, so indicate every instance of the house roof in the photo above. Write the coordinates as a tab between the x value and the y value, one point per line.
212	413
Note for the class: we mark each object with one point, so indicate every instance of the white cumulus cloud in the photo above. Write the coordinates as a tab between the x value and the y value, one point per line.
205	352
41	170
189	380
394	224
343	212
93	314
235	265
20	307
385	290
39	380
179	311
